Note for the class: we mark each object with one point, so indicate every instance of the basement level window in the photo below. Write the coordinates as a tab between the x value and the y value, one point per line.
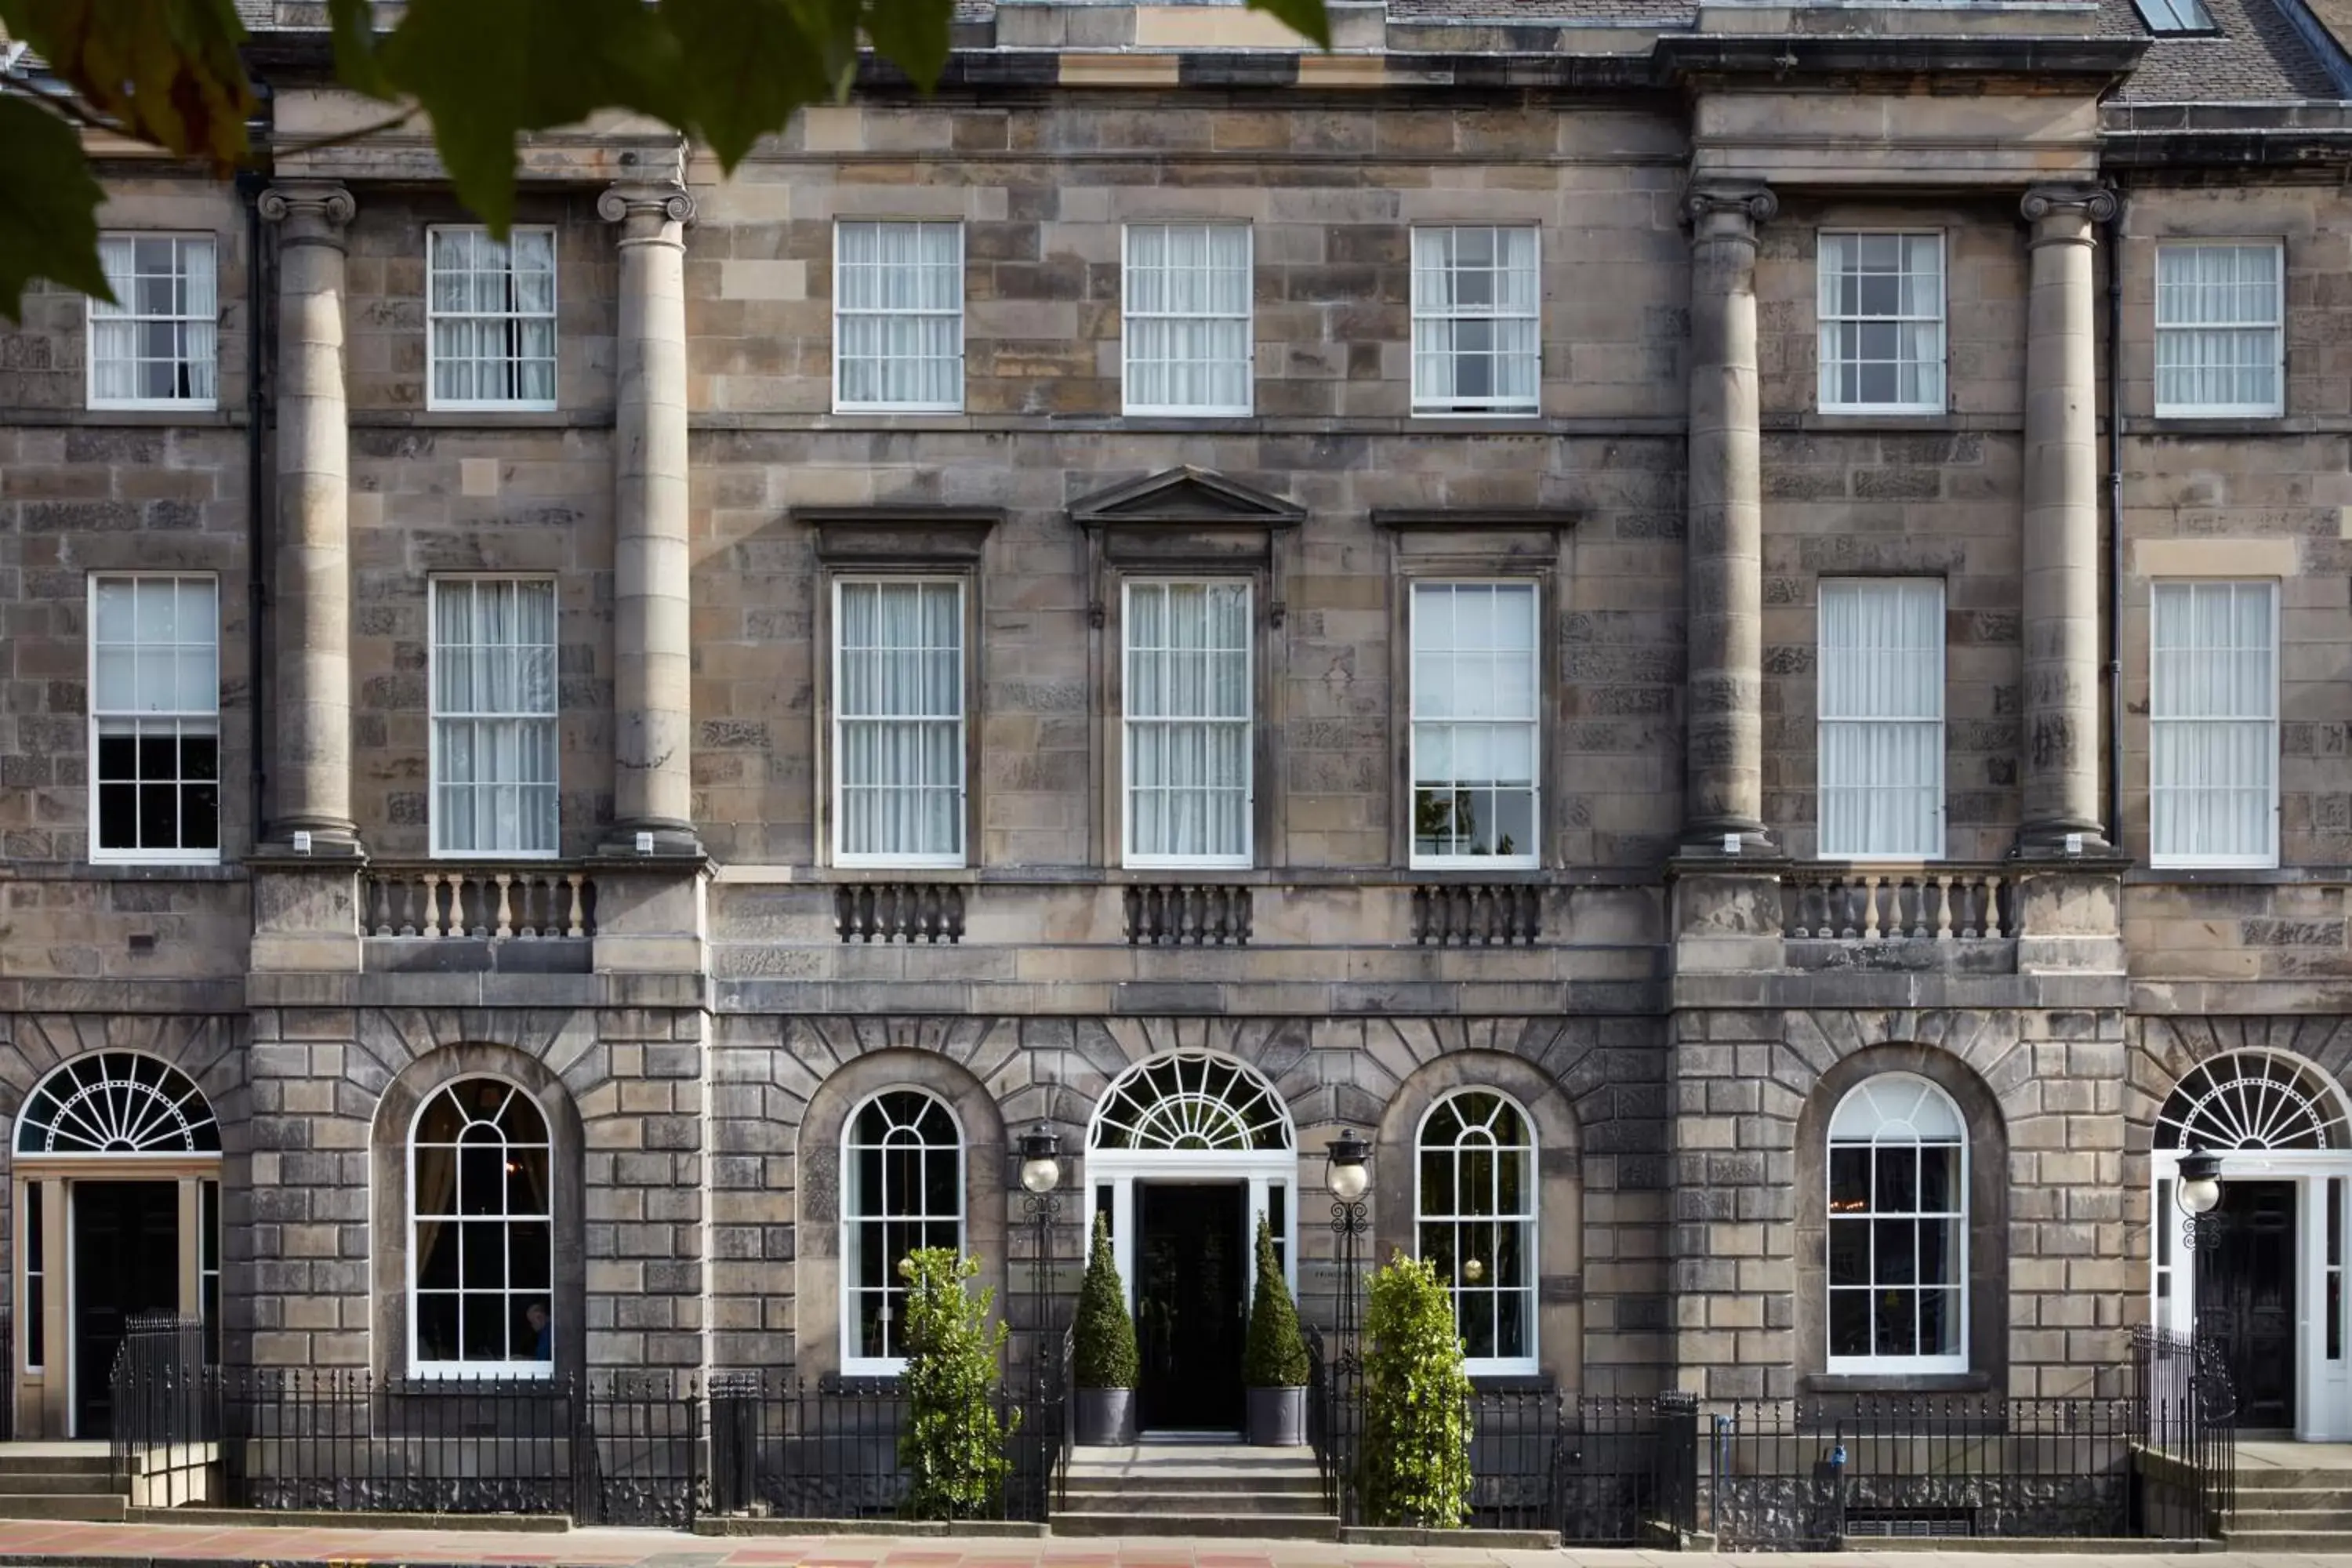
2176	16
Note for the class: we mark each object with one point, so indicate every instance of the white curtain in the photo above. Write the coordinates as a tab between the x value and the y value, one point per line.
2213	722
1476	322
899	314
900	720
1188	720
159	342
1882	718
1474	720
494	716
493	308
1882	320
2216	319
1188	317
158	642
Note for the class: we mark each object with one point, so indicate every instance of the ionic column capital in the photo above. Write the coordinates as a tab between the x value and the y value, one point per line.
2062	215
315	212
646	208
1724	210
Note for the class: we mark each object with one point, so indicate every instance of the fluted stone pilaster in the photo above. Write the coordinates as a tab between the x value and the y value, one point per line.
652	720
1723	543
311	602
2061	521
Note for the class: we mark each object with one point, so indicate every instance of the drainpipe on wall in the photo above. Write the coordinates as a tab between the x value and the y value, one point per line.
250	185
2115	519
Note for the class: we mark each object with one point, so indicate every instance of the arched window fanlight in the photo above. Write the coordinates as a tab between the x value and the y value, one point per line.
1898	1224
2253	1099
483	1241
117	1103
1191	1100
902	1181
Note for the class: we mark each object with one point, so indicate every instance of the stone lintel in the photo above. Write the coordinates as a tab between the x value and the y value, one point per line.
899	535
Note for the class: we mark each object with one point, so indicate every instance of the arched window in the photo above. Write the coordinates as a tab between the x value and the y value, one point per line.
902	1188
1898	1229
117	1103
1475	1222
483	1236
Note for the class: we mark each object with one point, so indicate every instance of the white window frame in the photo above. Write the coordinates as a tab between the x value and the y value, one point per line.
417	1365
433	236
1129	314
1960	1218
2276	325
1534	721
1491	407
853	1362
1826	376
98	718
2269	859
843	855
98	310
1129	857
843	404
434	823
1938	836
1530	1239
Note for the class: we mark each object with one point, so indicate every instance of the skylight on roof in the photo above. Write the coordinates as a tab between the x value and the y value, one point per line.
2176	16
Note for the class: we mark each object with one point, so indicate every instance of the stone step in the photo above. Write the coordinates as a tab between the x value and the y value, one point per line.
2305	1518
2292	1497
68	1483
2267	1480
2281	1540
1135	1499
103	1509
17	1459
1223	1527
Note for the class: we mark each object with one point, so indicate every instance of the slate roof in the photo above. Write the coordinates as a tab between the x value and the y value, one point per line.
2259	57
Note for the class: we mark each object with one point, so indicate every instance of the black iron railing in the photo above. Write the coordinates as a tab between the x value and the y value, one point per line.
2188	1435
1811	1474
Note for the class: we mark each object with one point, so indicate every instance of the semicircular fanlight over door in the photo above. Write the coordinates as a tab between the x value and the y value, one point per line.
1191	1100
117	1103
2253	1100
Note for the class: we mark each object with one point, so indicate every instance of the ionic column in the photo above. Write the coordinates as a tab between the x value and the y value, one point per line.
2062	522
312	601
653	719
1723	541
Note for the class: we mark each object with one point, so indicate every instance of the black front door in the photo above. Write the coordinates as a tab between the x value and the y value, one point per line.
1188	1298
126	1260
2246	1297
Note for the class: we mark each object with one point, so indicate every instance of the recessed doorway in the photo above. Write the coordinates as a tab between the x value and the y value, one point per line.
2249	1299
1190	1305
126	1260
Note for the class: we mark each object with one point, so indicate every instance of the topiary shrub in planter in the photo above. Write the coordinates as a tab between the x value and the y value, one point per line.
953	1443
1274	1363
1417	1455
1102	1352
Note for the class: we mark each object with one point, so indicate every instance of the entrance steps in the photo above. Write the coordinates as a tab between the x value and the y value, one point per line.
1227	1490
60	1480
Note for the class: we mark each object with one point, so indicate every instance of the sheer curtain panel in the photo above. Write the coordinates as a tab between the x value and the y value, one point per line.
2219	330
898	723
1188	705
494	717
157	345
899	316
1187	328
1882	719
1475	724
492	318
2213	742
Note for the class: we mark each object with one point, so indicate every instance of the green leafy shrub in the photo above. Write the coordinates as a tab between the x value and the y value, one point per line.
1103	1351
1416	1400
1276	1353
953	1444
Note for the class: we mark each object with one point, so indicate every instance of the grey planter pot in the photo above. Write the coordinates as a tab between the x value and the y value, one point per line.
1106	1417
1277	1418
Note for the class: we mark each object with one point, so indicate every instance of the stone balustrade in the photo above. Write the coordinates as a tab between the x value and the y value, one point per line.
1187	914
899	911
442	900
1920	902
1477	914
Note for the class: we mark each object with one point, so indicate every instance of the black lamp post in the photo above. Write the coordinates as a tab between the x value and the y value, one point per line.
1041	1173
1348	1174
2197	1193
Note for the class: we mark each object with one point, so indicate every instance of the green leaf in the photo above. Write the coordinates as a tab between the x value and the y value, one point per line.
914	35
167	71
487	70
48	207
1306	17
749	64
356	65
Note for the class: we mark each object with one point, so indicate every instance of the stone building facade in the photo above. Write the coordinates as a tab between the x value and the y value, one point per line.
1730	393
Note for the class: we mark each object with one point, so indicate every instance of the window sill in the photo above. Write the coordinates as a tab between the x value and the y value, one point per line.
1896	1382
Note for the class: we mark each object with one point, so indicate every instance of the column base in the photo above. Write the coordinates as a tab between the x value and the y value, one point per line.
2050	841
650	837
1725	839
328	840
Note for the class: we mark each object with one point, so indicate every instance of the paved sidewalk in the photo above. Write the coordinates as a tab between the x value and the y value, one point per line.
33	1544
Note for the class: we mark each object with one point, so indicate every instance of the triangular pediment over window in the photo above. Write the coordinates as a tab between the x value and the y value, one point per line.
1186	517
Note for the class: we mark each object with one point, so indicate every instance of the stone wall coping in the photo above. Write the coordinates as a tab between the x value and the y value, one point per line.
1119	877
1898	1383
1921	990
113	871
2238	876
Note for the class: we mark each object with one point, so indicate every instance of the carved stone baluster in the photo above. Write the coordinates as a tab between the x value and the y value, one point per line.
1944	906
1870	906
504	926
1994	925
433	926
579	906
1916	887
